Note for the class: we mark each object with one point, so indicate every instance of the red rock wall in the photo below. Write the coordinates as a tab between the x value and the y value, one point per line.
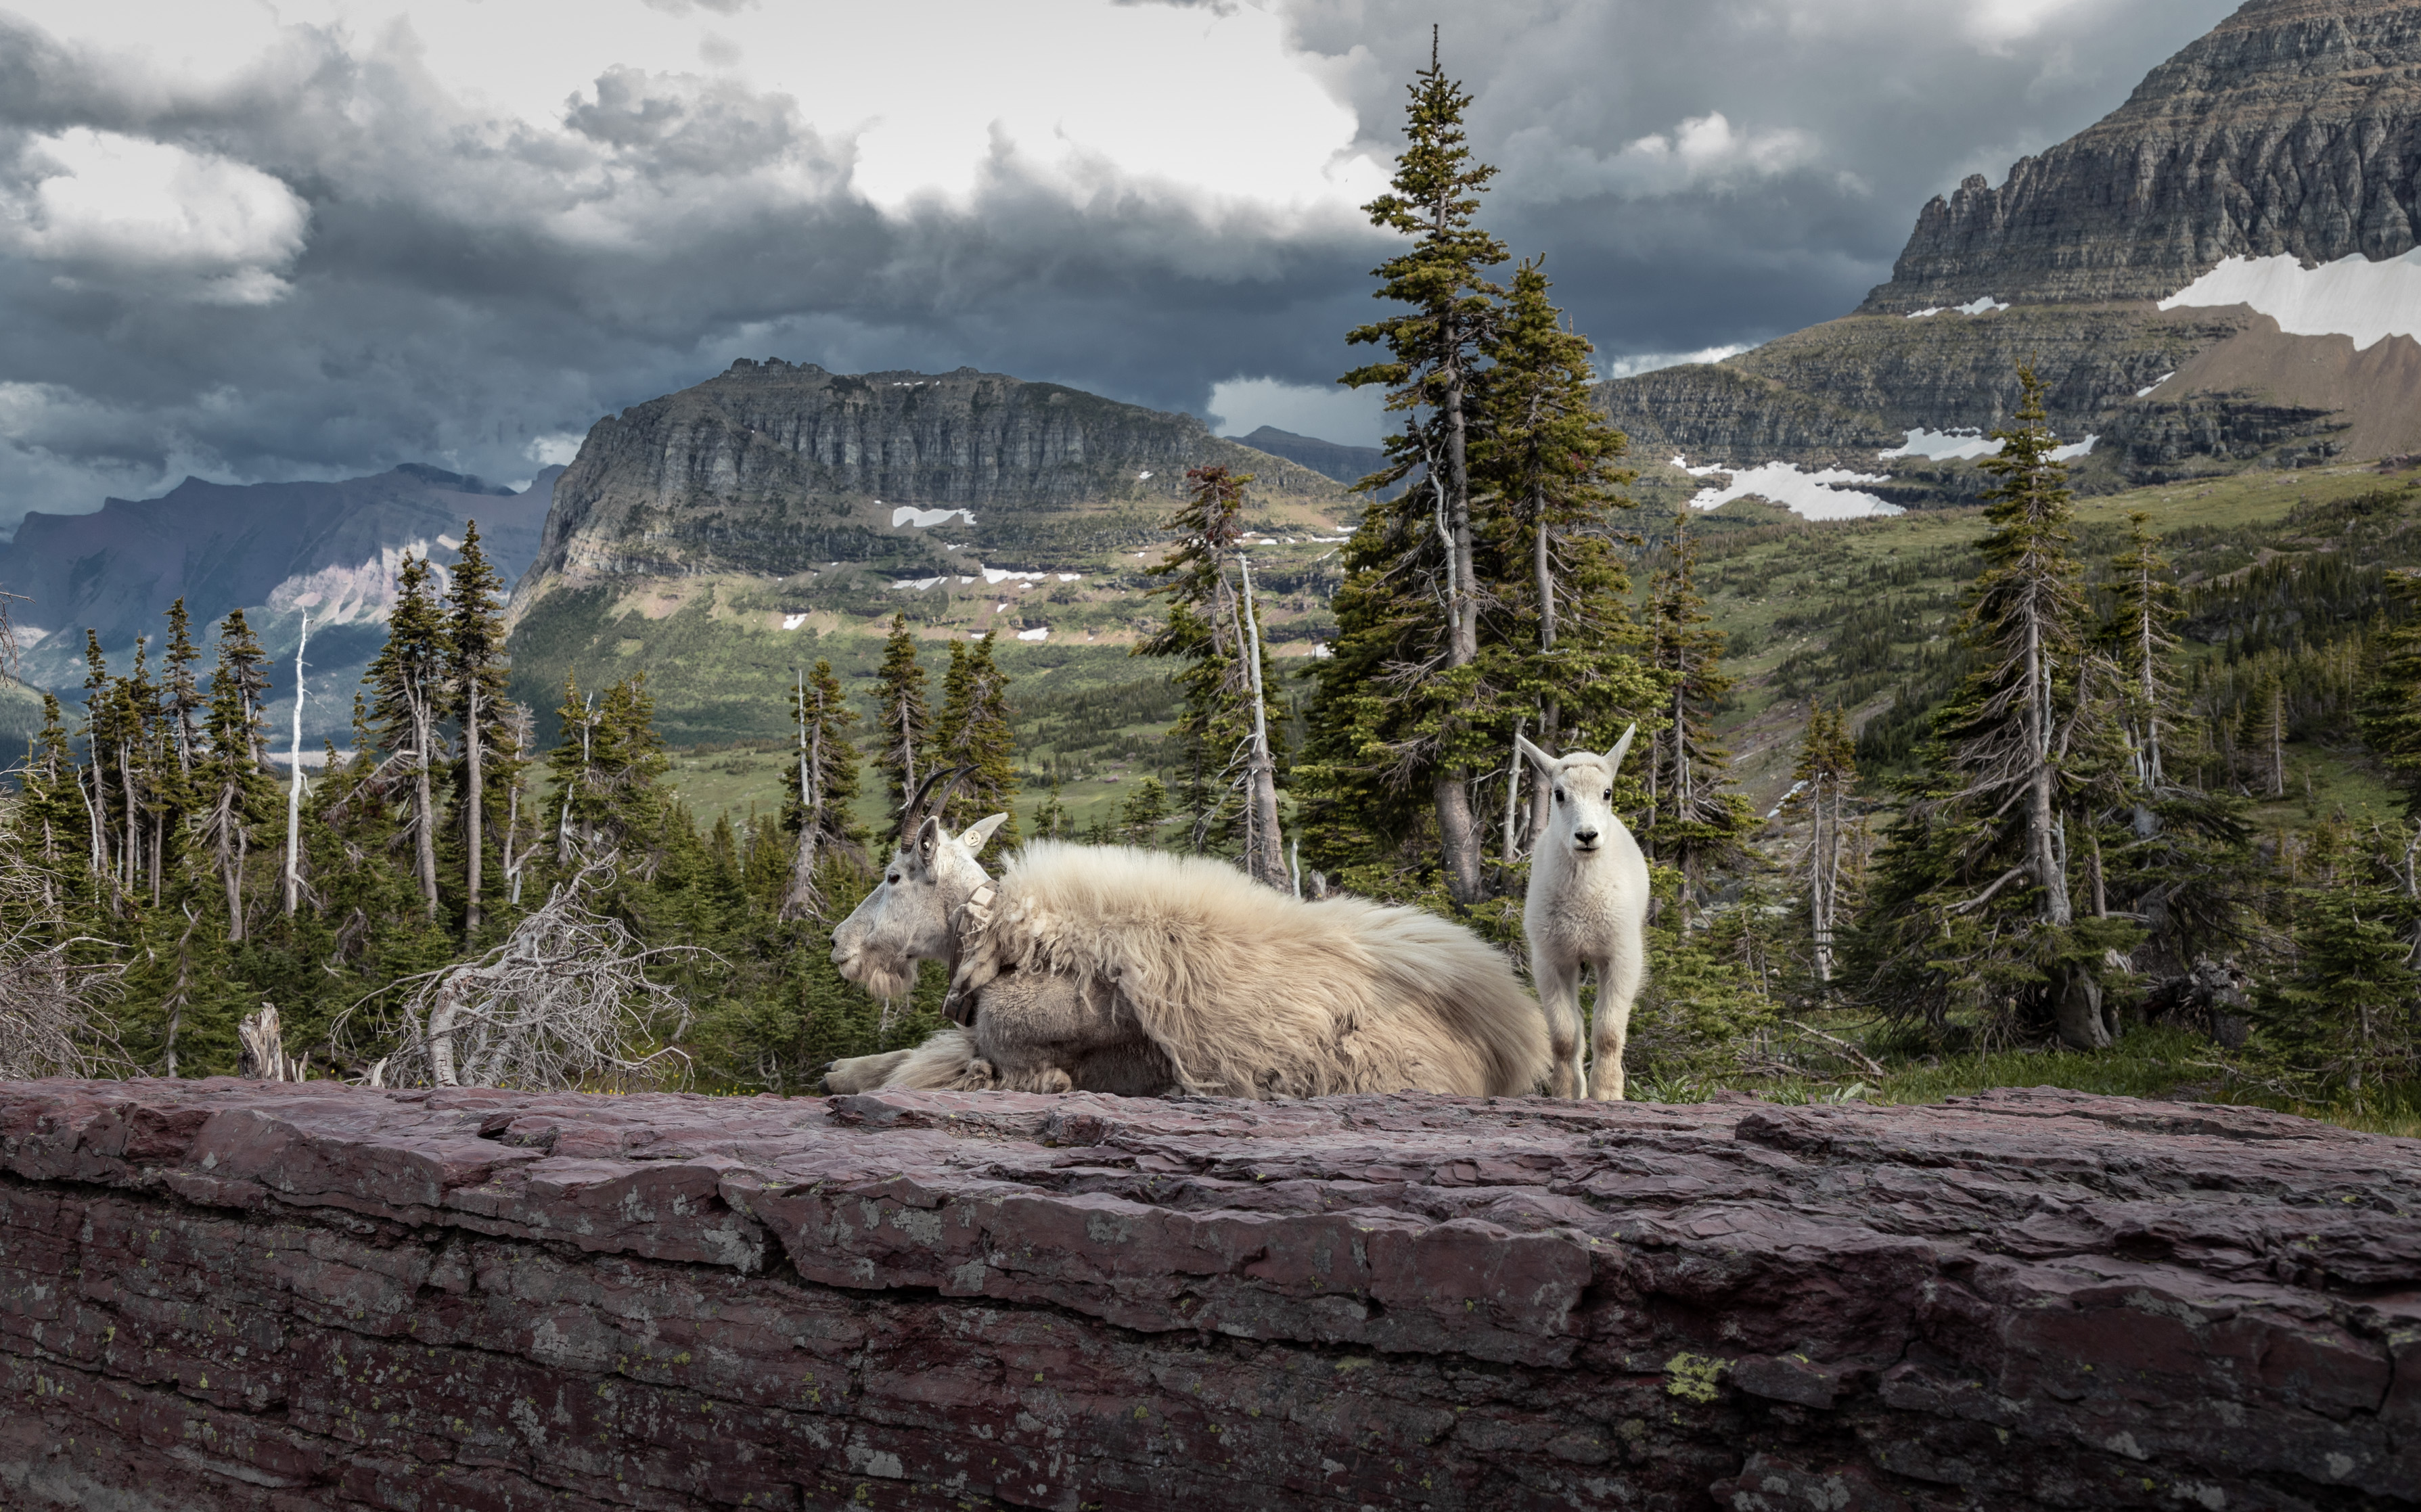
235	1295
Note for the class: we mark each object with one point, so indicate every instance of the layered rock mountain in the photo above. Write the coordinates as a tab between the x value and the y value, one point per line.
2291	131
721	536
274	550
772	468
2293	127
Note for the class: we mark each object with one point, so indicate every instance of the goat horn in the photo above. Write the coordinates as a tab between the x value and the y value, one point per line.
911	813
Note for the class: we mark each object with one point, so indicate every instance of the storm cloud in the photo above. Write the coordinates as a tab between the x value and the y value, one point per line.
320	242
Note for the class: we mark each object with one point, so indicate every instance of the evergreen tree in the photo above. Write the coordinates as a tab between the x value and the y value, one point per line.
236	794
821	787
1050	821
1419	591
1547	469
1691	820
2349	1012
49	820
2391	711
1227	678
410	697
180	705
2179	855
2010	779
606	766
903	745
476	672
1145	811
974	730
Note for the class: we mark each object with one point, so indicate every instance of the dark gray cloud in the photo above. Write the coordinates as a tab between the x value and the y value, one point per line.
356	269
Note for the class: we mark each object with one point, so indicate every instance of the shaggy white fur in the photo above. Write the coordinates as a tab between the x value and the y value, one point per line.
1587	905
1252	994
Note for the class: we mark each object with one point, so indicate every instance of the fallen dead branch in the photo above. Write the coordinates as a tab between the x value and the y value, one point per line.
565	1002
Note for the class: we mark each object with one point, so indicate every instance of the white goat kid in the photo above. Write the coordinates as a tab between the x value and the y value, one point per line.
1587	905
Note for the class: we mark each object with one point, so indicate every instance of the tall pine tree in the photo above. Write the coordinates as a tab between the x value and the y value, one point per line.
1227	678
408	696
1416	600
975	731
1974	904
821	787
476	673
903	740
1692	820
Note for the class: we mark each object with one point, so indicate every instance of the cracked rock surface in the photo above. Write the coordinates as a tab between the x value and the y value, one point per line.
226	1294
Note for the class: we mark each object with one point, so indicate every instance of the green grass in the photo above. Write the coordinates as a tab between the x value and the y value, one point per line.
2157	1063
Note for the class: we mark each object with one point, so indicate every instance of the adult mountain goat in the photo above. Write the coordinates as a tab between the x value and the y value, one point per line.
1113	968
1587	905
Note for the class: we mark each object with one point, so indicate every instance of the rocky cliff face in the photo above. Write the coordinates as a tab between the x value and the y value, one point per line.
2293	127
770	468
240	1295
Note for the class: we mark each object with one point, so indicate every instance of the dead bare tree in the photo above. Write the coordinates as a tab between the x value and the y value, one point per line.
518	724
51	1003
564	1003
264	1057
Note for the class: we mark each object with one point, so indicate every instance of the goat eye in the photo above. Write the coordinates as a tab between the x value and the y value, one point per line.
1609	795
1559	795
895	877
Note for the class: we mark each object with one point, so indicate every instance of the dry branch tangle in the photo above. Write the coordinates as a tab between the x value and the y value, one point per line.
226	1294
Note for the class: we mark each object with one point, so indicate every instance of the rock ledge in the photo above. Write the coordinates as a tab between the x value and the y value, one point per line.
235	1295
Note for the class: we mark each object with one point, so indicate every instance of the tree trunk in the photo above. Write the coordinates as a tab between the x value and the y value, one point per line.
235	890
2042	843
1267	860
475	822
799	900
1543	795
130	859
294	783
424	804
1451	792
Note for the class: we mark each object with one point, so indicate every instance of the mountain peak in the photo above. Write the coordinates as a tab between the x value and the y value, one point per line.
2286	129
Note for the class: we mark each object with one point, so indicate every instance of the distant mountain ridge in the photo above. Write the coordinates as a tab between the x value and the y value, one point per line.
274	550
1331	459
2291	131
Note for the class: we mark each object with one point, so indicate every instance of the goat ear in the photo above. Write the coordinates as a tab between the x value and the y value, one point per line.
979	832
1538	758
1614	757
929	836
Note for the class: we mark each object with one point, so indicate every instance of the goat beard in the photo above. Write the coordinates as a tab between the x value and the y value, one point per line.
888	977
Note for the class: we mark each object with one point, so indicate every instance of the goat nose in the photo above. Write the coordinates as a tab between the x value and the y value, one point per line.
1586	836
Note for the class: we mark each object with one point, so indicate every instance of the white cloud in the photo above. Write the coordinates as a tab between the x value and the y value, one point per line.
1702	152
99	199
1995	25
1352	417
1633	365
557	451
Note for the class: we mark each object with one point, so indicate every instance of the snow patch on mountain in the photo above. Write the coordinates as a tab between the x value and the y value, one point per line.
1810	495
2351	297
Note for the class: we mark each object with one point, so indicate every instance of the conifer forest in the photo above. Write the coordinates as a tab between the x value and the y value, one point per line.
2027	851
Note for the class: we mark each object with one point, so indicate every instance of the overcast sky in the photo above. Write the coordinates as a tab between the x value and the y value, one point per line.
317	237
